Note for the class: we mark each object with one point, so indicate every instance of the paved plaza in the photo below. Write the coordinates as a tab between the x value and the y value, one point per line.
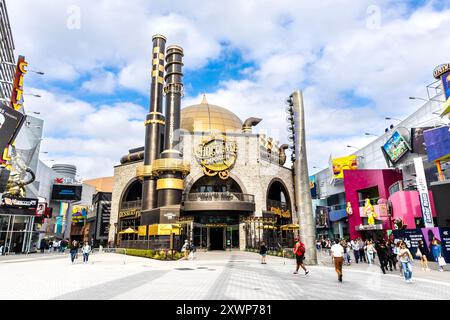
212	275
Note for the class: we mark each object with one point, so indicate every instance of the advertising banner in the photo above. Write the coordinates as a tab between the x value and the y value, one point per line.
418	141
61	219
10	123
436	241
322	217
396	147
442	72
79	213
438	143
341	164
445	78
423	193
66	192
104	218
313	186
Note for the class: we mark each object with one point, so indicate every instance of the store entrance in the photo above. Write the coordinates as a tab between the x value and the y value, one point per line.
216	238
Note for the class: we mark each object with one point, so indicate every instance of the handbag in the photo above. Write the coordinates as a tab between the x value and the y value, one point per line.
441	261
418	254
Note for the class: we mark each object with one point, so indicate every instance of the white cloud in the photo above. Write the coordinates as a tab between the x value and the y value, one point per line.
324	48
92	137
101	82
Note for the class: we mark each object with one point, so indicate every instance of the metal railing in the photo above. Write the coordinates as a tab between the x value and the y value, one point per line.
152	244
219	196
137	204
338	207
373	201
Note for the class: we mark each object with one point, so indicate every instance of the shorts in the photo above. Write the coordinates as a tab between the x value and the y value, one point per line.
299	259
263	254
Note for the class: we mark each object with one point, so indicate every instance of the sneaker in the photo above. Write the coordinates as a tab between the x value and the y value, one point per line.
295	272
306	273
340	278
428	269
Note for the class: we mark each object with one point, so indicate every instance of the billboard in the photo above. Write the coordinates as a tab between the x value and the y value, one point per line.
18	206
396	147
438	143
426	235
341	164
418	140
79	213
10	123
423	193
313	186
62	192
322	217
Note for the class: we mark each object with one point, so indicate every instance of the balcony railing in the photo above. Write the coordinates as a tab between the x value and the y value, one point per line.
137	204
277	204
373	201
338	207
219	196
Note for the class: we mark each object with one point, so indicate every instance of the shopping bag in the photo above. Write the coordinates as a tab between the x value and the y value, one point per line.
441	261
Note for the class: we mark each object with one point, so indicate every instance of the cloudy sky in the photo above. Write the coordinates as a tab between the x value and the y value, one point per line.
356	61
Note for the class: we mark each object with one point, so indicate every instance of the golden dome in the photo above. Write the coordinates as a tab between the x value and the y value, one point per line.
206	117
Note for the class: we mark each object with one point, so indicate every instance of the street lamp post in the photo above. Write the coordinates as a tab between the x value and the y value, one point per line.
390	118
417	98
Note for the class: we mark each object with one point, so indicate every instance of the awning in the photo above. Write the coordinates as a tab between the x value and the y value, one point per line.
291	226
128	231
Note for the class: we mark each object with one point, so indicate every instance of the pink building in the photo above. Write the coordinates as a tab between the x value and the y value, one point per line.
374	184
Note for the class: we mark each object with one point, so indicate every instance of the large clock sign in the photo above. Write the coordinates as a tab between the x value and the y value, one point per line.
217	156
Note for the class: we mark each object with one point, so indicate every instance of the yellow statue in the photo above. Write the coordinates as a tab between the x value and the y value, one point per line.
349	209
369	212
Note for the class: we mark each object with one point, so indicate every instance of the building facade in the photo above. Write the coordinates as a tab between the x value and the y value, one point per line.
217	210
384	179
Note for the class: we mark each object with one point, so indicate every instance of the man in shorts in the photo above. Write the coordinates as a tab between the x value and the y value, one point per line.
299	251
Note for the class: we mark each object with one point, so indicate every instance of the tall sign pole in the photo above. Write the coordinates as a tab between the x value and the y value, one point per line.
423	193
301	178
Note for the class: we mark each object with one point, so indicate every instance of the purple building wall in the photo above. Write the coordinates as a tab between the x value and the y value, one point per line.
355	180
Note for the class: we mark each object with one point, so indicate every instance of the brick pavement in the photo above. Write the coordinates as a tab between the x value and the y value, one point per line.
212	275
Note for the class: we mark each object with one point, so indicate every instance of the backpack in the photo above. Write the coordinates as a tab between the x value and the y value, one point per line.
299	249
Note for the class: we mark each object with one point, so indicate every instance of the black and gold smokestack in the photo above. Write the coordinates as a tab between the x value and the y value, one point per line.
154	125
170	167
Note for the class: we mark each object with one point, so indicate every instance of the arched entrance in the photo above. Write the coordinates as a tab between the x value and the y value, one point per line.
215	207
130	209
279	208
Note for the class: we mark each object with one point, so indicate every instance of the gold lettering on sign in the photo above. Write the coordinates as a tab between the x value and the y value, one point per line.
280	212
217	155
130	213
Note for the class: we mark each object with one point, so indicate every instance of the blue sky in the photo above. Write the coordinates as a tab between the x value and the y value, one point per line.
356	62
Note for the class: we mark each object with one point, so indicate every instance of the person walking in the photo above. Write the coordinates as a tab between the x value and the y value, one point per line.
73	250
86	251
299	252
42	245
263	253
192	250
406	259
370	249
362	253
346	251
185	249
422	256
391	256
337	253
436	249
382	253
355	248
